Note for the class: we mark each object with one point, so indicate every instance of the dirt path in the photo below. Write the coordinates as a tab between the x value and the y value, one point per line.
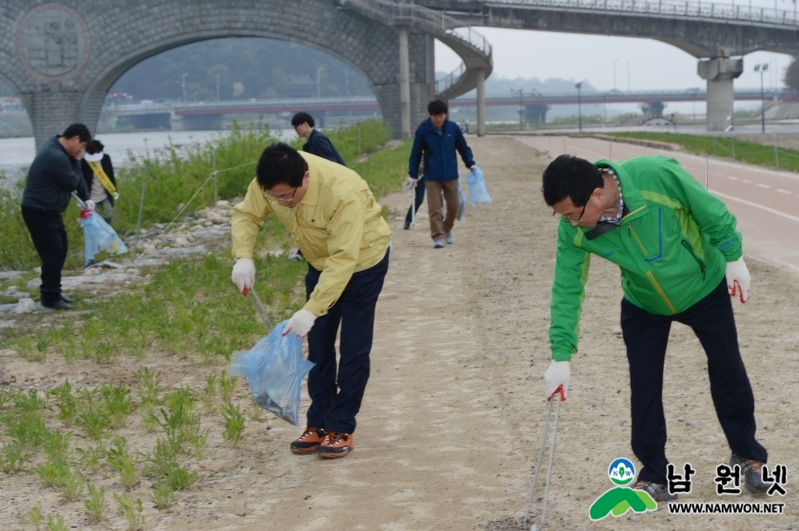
453	414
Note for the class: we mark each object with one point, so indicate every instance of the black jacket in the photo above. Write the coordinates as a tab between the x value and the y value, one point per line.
88	174
53	175
318	144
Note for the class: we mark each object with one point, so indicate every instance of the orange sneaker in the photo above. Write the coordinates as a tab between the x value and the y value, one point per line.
336	444
309	441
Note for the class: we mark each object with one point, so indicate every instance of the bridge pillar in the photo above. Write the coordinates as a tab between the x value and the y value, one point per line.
719	73
405	82
481	103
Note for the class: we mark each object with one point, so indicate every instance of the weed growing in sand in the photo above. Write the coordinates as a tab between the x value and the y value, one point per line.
227	386
120	460
234	424
71	484
164	454
95	424
12	457
36	516
131	510
66	403
49	474
56	523
27	429
96	506
179	478
105	352
69	352
118	404
56	446
149	385
209	393
163	495
89	458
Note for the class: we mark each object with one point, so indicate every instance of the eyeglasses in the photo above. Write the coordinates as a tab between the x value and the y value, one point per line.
284	199
578	218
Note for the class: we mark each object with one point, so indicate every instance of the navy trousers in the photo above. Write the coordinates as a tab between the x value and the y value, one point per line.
646	336
50	240
336	400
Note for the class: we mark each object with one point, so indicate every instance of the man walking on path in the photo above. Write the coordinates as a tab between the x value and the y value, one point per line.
318	144
54	174
681	259
436	142
340	230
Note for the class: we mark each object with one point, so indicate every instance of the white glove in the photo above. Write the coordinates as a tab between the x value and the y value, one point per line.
738	279
243	274
410	182
557	379
300	323
89	204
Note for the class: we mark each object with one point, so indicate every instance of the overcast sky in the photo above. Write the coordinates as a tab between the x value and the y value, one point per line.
640	64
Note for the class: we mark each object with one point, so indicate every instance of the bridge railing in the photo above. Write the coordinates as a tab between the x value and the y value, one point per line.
670	8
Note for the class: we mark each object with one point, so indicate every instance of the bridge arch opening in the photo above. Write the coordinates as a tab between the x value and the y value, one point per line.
233	69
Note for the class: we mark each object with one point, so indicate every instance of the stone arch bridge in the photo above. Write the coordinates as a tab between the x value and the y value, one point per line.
62	57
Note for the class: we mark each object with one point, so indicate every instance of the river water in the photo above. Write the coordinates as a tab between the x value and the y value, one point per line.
16	153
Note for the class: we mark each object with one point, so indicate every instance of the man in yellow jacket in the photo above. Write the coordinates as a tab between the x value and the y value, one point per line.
339	227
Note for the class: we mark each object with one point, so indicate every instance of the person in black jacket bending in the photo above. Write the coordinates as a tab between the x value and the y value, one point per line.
98	172
318	144
53	175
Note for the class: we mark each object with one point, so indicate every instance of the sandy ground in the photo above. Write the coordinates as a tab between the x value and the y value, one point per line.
453	416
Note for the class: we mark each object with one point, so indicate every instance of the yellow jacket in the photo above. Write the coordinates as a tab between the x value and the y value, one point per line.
338	226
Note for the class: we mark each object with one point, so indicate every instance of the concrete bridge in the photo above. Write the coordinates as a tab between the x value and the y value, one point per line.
62	57
207	115
713	33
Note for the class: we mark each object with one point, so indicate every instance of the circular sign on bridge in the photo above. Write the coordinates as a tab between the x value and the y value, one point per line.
53	42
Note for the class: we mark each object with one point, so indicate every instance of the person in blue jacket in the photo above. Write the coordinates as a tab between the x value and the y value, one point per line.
436	142
318	144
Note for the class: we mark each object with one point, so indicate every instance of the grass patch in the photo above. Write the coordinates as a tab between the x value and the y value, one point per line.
726	147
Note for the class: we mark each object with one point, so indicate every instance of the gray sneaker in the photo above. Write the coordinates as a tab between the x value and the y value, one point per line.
753	472
659	493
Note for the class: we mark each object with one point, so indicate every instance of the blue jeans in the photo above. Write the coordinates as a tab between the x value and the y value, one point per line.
336	401
646	336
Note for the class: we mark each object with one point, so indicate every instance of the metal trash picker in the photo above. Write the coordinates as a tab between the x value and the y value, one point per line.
412	188
559	394
259	307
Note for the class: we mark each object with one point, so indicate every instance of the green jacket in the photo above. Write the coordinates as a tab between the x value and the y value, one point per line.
672	247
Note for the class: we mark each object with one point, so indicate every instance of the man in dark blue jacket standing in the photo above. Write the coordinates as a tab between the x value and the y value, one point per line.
54	174
436	141
318	144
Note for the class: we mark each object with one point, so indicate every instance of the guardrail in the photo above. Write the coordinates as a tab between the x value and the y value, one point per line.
668	8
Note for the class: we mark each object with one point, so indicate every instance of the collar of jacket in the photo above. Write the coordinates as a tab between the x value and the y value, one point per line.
429	124
311	196
633	200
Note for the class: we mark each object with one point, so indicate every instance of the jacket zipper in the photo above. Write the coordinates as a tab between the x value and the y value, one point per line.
662	293
632	233
698	261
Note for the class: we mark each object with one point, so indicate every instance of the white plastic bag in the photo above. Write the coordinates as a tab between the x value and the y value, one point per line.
477	187
100	240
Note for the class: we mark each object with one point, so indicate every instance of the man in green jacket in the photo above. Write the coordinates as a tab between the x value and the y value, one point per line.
675	243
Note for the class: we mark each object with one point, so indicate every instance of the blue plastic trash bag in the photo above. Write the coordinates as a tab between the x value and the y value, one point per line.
461	200
477	187
274	369
100	240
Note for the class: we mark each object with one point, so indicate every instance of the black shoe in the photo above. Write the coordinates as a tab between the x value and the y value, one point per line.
57	305
752	470
66	299
406	226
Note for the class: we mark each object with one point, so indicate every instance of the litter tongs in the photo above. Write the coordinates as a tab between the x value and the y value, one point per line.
259	307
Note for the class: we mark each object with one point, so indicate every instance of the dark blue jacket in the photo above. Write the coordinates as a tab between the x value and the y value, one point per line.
321	146
53	175
438	148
